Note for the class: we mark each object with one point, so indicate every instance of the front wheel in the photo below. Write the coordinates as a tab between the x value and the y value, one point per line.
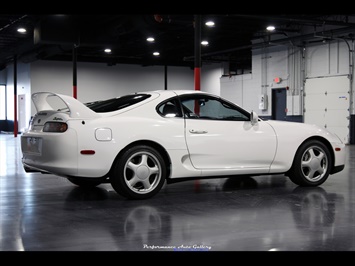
139	173
311	165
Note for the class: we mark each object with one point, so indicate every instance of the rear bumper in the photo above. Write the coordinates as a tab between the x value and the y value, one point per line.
337	169
29	169
53	153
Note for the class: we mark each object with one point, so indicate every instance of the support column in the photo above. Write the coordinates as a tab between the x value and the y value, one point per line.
197	70
75	89
15	97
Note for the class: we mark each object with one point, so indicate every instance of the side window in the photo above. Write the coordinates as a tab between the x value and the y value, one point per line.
118	103
206	107
170	108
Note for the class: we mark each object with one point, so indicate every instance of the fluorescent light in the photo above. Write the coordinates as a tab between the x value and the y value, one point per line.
150	39
107	50
156	53
204	43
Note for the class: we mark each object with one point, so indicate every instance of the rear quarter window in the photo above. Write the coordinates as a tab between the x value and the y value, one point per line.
118	103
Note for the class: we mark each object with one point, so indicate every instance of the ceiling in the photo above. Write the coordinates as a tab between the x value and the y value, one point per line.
231	40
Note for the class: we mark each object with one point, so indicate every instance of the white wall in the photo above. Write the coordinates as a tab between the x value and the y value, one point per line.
234	88
97	81
23	88
293	66
327	59
210	78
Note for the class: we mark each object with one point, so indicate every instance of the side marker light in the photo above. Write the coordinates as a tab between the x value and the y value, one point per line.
87	152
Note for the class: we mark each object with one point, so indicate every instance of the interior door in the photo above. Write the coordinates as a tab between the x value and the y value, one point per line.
279	110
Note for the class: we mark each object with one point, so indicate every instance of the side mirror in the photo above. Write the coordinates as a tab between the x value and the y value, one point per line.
254	118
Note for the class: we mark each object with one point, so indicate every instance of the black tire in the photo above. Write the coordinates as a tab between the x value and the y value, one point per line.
311	165
139	173
85	183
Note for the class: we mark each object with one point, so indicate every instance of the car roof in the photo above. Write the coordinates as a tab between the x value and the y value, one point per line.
179	92
184	91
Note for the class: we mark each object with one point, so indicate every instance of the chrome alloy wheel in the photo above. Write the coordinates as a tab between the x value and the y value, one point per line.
314	163
142	172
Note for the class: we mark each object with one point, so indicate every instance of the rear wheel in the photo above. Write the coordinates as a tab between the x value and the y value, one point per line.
311	165
139	173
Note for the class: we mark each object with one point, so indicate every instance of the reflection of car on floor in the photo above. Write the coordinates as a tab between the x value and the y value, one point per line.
91	219
139	141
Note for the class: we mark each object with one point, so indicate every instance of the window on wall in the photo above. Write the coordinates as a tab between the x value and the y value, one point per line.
2	102
6	103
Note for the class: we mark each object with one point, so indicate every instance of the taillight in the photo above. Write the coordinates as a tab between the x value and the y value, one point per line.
55	127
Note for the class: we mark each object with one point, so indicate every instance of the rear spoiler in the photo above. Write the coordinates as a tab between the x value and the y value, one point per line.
45	101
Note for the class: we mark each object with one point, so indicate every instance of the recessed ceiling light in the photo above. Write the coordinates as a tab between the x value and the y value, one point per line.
150	39
204	43
107	50
209	23
156	53
270	28
21	30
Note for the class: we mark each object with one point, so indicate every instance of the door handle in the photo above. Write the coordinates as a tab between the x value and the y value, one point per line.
193	131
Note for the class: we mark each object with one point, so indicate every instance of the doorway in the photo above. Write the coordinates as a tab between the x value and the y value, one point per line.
279	108
6	109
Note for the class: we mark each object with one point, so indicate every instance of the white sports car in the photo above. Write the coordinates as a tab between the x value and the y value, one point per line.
139	141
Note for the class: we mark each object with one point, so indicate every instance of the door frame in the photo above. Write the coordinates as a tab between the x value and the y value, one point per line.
275	108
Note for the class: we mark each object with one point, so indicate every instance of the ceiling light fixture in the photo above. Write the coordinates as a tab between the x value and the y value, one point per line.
270	28
204	43
21	30
150	39
156	53
209	23
107	50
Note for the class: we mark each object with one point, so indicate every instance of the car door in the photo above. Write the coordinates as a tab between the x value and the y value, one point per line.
220	135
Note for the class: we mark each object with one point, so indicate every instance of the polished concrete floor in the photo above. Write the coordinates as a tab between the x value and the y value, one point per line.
47	213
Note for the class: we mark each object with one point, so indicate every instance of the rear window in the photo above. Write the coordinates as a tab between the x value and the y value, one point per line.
118	103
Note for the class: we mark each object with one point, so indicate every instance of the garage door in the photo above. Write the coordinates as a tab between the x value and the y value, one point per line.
326	104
